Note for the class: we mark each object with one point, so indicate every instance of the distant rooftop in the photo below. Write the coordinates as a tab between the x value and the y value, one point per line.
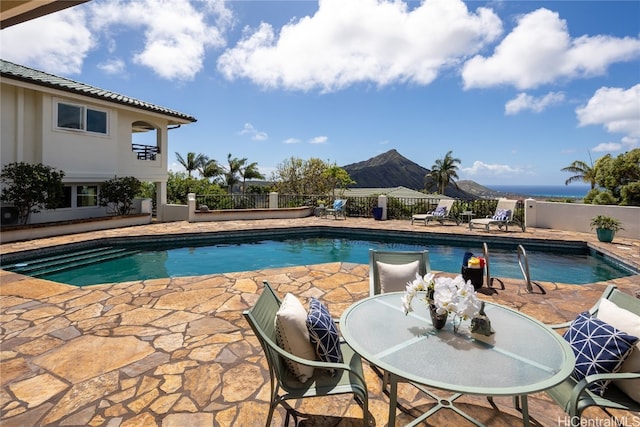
9	70
401	192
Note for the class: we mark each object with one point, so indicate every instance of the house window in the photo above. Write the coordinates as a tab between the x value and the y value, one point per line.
87	195
80	117
66	197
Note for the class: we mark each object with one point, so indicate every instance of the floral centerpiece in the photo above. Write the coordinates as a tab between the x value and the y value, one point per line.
445	296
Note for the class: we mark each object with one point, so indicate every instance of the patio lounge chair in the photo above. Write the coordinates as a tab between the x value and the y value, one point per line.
502	217
441	213
348	377
338	209
575	396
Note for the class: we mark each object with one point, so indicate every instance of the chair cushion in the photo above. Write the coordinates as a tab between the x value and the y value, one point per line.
323	333
502	214
628	322
599	348
293	336
440	211
337	205
394	277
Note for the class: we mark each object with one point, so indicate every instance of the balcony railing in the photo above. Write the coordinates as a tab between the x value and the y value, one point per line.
145	152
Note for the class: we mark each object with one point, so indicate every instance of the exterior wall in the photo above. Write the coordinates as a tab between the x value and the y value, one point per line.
577	216
29	133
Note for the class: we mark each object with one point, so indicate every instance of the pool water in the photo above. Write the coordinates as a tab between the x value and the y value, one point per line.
566	266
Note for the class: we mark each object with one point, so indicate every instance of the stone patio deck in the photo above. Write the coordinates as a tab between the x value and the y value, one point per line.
177	352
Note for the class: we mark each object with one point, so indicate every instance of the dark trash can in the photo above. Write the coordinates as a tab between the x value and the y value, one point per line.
377	214
476	275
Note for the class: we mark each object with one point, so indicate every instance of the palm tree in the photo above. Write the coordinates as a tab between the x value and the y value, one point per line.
583	172
211	169
231	174
444	171
250	171
193	162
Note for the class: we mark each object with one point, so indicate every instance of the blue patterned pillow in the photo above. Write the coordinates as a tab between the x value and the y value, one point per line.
502	215
337	204
599	348
323	332
440	211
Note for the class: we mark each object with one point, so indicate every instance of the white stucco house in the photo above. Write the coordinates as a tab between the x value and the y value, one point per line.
89	133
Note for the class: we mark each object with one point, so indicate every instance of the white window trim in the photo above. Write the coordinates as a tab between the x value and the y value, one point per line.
84	108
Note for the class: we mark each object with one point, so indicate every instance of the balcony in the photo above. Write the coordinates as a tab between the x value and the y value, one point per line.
145	152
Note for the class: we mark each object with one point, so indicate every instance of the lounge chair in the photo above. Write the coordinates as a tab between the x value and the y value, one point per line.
441	213
502	217
338	209
348	377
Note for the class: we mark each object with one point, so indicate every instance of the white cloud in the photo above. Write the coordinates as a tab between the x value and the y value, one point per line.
528	102
319	140
361	41
255	134
31	43
617	109
540	51
173	48
606	147
112	66
481	168
291	141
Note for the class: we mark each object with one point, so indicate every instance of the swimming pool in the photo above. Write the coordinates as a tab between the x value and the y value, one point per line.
195	255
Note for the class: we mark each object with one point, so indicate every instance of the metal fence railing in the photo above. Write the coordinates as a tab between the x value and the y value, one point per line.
397	207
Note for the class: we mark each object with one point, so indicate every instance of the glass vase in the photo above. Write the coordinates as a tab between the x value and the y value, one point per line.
437	320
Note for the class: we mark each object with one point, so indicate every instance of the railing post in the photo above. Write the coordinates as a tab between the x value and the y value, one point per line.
382	203
530	213
273	200
191	206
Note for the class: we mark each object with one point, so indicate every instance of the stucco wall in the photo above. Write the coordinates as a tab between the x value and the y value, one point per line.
577	216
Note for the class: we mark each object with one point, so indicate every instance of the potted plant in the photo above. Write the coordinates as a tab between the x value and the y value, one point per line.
606	227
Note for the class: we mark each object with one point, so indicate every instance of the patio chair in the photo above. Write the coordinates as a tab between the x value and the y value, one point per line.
441	213
348	376
575	396
338	209
502	217
389	271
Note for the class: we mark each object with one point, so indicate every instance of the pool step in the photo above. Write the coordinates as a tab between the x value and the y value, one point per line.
56	263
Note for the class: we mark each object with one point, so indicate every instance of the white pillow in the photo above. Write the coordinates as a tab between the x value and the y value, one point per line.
628	322
293	336
394	277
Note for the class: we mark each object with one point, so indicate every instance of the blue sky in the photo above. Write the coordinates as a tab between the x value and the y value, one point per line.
516	89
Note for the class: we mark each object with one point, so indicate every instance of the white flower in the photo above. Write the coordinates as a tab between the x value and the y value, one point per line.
450	295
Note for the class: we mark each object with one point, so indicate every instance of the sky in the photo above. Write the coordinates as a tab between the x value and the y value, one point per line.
517	90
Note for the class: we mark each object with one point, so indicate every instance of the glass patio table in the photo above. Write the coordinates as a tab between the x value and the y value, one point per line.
523	356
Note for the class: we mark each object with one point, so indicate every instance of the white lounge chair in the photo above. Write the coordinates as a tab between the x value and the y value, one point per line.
441	213
503	216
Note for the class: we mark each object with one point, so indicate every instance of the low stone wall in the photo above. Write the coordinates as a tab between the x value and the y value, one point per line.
38	231
246	214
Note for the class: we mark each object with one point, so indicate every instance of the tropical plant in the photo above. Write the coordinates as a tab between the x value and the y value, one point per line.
193	161
249	171
621	176
298	176
604	222
582	172
444	171
31	187
232	171
210	168
117	194
337	177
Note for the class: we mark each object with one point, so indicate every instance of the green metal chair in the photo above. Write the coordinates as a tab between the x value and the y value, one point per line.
349	377
394	257
574	396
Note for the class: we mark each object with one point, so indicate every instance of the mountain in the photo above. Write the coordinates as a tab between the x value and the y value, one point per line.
391	169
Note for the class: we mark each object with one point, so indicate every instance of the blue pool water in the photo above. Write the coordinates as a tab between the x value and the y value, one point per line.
190	259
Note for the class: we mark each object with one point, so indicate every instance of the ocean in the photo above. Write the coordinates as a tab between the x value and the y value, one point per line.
566	191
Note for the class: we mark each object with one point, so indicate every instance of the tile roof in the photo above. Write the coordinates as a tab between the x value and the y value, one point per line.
13	71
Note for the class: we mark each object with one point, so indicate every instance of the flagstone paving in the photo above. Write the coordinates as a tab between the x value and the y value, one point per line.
177	351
